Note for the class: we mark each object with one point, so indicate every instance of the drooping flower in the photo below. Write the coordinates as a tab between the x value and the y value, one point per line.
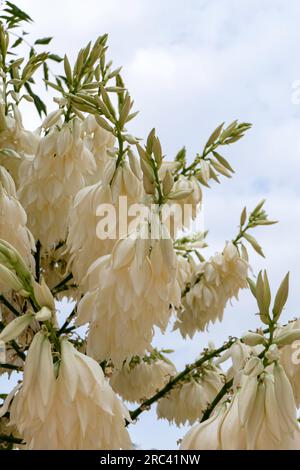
217	281
186	267
187	401
77	410
141	378
209	435
50	181
13	219
239	353
185	209
83	245
14	137
290	360
130	292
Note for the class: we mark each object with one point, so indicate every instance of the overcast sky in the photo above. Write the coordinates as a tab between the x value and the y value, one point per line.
190	65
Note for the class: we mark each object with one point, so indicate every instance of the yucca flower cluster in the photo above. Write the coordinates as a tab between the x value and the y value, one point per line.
142	377
76	409
217	281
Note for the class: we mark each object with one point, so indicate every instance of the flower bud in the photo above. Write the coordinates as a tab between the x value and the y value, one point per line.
43	315
9	279
43	295
168	182
52	118
16	327
253	339
14	260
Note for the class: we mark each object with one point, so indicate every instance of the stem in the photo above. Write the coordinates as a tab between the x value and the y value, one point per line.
200	157
12	439
9	366
170	385
60	286
241	233
160	194
216	400
68	321
53	335
37	258
121	147
18	350
9	305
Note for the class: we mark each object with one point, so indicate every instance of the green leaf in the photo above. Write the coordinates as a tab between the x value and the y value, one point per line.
43	40
39	104
17	12
55	57
46	74
17	42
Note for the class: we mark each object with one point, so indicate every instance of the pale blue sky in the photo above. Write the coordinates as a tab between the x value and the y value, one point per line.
191	65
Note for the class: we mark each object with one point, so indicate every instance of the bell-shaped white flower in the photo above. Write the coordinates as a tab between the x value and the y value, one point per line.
13	220
290	358
206	435
18	143
98	141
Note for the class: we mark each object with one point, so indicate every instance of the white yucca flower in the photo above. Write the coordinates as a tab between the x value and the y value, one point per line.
260	416
186	208
83	243
130	292
77	410
140	379
238	353
13	219
184	271
13	136
290	359
207	435
98	141
220	279
50	181
187	401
